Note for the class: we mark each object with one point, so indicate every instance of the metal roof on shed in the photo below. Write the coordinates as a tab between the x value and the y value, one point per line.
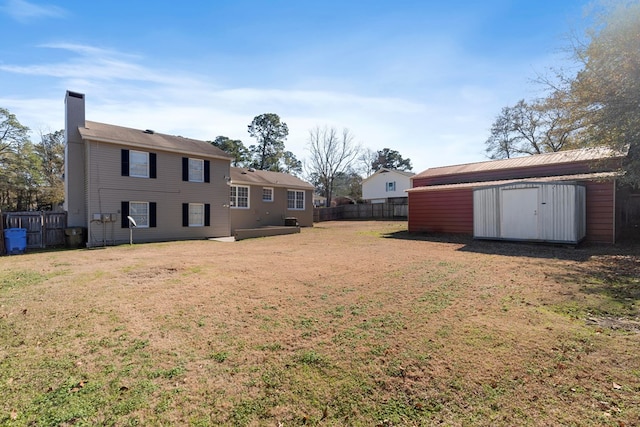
562	178
568	156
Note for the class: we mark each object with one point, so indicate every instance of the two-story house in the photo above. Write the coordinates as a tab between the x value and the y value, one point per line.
170	187
387	185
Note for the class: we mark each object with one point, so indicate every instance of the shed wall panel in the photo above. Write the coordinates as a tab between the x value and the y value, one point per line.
600	217
486	213
551	212
562	212
441	211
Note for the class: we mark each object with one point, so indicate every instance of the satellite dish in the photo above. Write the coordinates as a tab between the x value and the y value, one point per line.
132	225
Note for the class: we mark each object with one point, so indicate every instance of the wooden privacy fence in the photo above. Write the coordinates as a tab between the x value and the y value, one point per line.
628	218
362	211
44	229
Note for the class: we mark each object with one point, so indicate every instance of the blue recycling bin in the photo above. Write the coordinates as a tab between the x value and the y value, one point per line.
15	240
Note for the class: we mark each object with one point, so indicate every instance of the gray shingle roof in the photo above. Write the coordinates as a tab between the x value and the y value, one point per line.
267	178
149	140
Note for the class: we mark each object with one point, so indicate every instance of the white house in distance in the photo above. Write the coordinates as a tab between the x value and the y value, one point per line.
386	185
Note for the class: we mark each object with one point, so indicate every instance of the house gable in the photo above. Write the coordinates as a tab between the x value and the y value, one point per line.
385	184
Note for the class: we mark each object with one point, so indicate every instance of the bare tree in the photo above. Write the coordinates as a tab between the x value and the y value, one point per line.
538	127
365	162
501	144
331	154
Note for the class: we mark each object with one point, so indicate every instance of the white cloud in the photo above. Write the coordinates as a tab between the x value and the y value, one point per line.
39	114
122	89
96	64
24	11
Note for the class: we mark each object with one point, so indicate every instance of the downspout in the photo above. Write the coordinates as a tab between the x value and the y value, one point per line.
87	190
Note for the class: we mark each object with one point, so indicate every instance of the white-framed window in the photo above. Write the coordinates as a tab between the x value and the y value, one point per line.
196	170
239	197
267	194
138	164
196	214
391	186
139	211
295	200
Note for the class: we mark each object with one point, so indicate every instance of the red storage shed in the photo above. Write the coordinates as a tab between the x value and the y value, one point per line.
441	199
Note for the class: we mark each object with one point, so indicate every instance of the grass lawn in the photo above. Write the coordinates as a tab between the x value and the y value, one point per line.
346	323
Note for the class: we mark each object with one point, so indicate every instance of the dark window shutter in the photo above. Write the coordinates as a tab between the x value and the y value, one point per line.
124	156
207	214
152	166
152	214
185	169
124	209
185	214
207	171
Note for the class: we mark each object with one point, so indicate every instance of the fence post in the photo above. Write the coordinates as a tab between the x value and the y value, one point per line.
43	231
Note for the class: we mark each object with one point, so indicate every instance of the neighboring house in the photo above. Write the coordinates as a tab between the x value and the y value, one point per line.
342	201
319	201
264	198
517	198
386	185
174	188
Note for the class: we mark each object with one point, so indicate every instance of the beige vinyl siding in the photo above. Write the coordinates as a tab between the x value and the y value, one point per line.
108	189
305	217
272	213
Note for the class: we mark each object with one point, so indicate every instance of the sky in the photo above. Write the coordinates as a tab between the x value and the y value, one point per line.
423	77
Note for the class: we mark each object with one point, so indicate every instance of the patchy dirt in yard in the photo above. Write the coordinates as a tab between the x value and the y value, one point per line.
346	323
615	323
